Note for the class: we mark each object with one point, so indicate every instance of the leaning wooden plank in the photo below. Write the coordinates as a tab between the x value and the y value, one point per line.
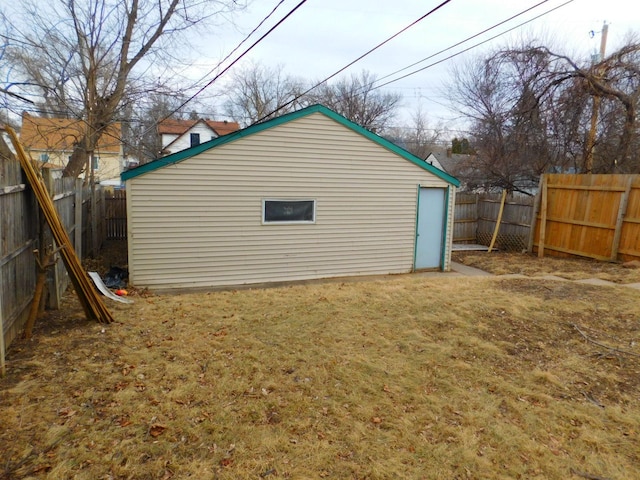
92	304
498	221
105	291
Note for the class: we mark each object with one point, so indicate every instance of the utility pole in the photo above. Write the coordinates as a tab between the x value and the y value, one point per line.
591	139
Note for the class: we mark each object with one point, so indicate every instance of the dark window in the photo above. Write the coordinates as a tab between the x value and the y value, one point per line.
195	139
300	211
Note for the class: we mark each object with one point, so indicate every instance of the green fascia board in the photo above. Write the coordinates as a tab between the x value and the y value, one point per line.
259	127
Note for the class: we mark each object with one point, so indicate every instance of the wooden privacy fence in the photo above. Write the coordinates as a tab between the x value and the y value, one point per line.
476	216
465	221
18	238
116	214
91	302
595	216
22	232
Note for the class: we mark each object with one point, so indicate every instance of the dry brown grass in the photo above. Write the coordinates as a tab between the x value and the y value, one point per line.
408	377
501	263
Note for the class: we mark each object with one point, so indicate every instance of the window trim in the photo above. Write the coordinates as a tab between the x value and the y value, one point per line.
293	222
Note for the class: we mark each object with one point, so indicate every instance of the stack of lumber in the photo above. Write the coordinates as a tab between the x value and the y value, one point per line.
92	304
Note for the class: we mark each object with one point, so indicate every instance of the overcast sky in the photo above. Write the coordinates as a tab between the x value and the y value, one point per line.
323	36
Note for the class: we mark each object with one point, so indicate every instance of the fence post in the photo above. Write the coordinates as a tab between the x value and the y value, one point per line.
477	216
622	210
94	221
78	218
3	367
534	215
103	215
543	217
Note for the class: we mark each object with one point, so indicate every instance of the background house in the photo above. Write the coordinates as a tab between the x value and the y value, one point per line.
303	196
462	166
177	135
478	175
52	140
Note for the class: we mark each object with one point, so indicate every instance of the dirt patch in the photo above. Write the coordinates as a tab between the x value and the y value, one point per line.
501	263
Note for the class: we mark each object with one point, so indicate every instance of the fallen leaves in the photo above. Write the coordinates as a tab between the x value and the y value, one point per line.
156	429
67	412
120	386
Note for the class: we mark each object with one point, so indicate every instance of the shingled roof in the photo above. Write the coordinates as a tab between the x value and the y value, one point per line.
61	134
172	126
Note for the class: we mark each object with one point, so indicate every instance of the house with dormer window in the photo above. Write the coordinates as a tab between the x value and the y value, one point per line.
177	135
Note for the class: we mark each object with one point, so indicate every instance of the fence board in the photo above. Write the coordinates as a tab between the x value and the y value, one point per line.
515	223
629	246
91	242
465	218
476	214
116	214
17	240
591	216
20	235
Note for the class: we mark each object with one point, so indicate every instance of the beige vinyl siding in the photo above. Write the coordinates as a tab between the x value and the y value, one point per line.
198	223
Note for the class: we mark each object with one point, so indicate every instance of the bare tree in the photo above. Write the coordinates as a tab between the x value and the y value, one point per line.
87	56
418	137
616	81
498	110
140	121
357	99
258	92
8	89
531	109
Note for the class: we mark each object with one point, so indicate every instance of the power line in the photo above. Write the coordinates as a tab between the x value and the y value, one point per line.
241	43
208	84
415	22
247	50
199	92
368	87
472	46
463	41
226	69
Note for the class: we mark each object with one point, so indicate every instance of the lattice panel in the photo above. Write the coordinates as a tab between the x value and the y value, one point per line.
504	242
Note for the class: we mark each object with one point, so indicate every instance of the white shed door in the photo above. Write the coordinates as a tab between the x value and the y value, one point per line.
430	228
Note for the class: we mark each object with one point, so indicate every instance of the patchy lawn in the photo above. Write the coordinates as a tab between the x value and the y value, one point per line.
408	377
501	263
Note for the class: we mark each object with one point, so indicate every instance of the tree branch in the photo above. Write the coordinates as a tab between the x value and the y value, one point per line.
591	340
588	476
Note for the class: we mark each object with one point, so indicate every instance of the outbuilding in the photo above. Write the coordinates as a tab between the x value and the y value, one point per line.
303	196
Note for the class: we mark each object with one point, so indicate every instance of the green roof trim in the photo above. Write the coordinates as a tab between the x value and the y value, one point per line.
259	127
